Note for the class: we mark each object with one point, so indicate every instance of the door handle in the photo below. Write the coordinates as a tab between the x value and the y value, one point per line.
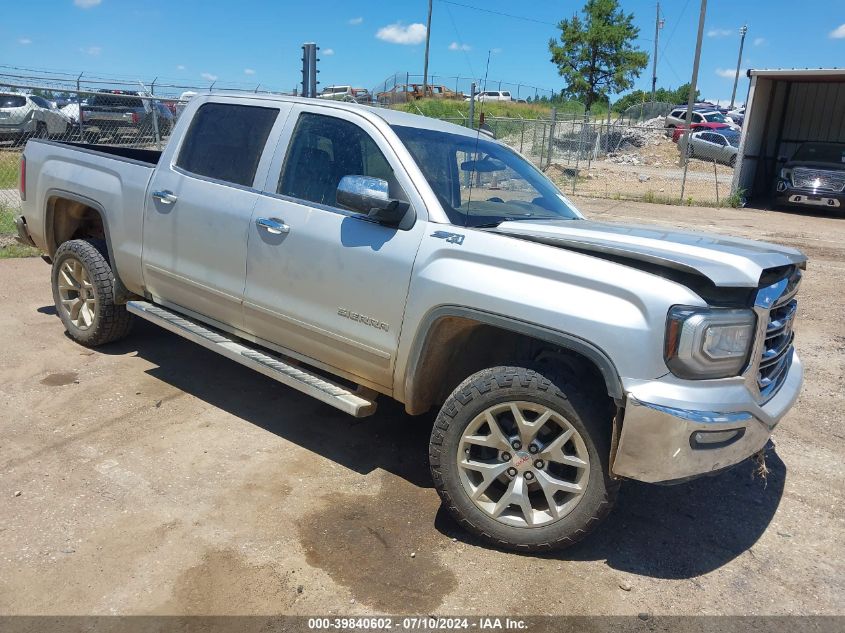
165	196
273	225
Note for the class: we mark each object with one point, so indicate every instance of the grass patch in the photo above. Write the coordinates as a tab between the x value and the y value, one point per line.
10	165
18	250
8	246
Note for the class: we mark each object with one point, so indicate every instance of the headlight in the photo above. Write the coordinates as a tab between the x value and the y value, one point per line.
708	342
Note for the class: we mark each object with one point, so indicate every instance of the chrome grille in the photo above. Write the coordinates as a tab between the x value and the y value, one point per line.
818	179
776	353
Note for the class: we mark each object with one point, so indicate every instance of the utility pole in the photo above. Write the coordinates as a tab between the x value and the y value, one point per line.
691	98
742	32
658	24
427	40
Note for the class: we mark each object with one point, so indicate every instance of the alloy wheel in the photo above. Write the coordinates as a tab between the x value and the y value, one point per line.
523	464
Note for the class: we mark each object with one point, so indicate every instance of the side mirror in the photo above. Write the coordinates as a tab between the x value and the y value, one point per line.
368	195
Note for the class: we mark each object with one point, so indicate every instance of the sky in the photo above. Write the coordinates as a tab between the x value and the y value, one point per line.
252	42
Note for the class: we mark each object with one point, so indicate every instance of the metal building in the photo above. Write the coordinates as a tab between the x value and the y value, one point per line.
784	109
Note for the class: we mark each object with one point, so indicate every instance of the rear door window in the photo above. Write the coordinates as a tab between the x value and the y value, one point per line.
225	141
12	101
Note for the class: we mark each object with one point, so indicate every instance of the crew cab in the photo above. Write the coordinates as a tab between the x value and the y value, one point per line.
355	254
813	177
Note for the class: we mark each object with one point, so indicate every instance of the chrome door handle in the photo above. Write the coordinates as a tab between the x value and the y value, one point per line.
273	225
165	196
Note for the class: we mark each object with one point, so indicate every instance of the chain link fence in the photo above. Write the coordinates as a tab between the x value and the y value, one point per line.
630	157
402	87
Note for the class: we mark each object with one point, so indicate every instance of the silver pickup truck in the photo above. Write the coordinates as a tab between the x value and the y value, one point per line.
352	253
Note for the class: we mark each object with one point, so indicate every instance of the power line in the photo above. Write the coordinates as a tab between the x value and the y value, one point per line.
501	13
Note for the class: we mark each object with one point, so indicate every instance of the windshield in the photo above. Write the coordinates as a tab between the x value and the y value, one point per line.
481	183
821	153
715	117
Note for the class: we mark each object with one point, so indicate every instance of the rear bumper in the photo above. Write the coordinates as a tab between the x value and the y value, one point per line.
660	443
17	129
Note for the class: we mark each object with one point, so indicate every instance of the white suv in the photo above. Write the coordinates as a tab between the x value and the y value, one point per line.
22	116
492	95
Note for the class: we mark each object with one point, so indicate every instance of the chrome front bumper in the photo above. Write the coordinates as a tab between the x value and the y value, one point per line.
659	441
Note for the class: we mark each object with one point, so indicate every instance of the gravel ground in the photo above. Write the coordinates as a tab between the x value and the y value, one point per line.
153	476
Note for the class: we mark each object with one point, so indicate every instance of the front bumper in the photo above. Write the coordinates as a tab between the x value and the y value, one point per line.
659	441
808	198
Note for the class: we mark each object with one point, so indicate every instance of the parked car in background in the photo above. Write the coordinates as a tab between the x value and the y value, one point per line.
491	95
737	115
678	116
403	93
813	177
345	93
23	116
721	146
678	131
124	113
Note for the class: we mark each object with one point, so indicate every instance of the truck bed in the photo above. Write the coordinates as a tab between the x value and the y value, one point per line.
148	156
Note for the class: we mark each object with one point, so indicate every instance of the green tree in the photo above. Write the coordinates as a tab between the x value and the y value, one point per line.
595	54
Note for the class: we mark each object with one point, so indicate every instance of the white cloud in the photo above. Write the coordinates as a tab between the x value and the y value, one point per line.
180	67
728	73
356	21
759	41
92	50
719	33
248	71
86	4
838	33
400	34
454	46
496	51
24	41
208	76
328	52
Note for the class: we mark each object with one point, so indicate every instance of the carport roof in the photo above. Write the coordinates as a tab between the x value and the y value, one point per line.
799	74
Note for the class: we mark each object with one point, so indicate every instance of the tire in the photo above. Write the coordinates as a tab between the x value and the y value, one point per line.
690	150
573	408
732	162
98	320
41	130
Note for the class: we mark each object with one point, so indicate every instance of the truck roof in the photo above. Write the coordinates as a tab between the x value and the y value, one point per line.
391	117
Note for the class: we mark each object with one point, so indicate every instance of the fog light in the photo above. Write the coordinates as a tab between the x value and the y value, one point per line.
715	439
781	185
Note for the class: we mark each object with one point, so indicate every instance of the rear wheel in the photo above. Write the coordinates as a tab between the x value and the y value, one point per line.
41	130
520	458
732	162
83	290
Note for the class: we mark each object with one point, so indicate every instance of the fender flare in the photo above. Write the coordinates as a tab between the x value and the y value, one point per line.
564	340
121	293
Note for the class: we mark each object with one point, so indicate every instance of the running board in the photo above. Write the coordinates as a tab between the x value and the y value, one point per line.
276	367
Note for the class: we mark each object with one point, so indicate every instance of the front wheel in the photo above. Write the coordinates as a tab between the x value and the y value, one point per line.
83	289
520	458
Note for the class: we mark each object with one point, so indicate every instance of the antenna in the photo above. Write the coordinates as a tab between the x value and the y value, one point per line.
477	174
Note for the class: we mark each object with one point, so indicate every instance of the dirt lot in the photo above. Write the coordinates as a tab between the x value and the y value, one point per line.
155	477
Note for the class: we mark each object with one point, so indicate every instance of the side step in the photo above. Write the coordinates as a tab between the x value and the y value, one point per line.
275	367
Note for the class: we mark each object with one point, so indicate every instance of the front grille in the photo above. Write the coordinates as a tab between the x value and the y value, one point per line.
776	351
818	179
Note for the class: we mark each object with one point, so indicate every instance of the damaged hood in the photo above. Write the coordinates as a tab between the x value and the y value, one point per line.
726	261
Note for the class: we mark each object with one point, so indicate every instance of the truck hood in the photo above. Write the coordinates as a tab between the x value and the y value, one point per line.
726	261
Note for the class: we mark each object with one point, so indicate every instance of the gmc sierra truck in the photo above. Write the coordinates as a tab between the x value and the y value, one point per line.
354	253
